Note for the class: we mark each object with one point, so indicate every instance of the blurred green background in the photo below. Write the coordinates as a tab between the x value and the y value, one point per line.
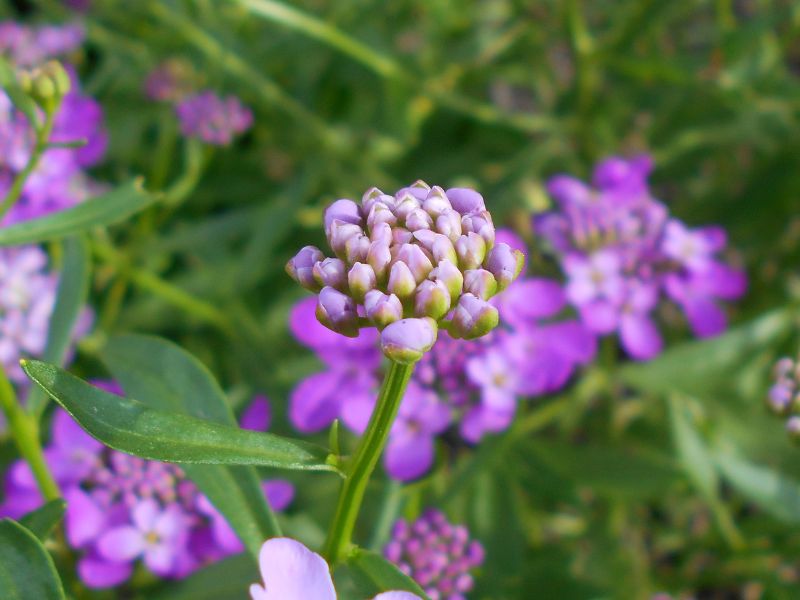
668	476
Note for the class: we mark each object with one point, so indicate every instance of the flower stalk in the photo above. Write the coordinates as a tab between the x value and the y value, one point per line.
365	461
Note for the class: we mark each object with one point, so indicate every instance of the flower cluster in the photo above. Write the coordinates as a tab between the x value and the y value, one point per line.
59	180
783	398
470	385
31	46
622	253
213	119
293	572
121	508
437	555
405	263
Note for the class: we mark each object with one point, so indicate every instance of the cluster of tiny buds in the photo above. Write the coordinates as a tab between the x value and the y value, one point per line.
437	555
784	396
408	264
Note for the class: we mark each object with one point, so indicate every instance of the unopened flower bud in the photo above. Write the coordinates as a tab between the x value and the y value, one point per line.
401	281
480	283
432	300
380	214
436	202
301	267
379	198
356	248
331	272
418	219
465	200
338	234
361	279
379	256
781	396
401	235
480	223
343	210
382	309
381	233
416	259
337	312
450	275
473	317
449	223
438	245
505	264
471	250
46	84
407	204
407	340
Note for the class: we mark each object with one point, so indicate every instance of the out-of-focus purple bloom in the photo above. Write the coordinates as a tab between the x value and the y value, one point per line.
783	397
170	81
623	254
31	46
213	119
439	556
290	571
122	509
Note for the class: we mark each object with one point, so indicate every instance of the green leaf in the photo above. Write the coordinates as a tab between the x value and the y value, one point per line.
110	208
703	367
26	569
772	491
370	573
227	579
73	289
691	449
44	519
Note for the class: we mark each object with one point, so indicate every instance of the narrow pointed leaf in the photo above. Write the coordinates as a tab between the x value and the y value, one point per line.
371	570
44	519
26	569
227	579
107	209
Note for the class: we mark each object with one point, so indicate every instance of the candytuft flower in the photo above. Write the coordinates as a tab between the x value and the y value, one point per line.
409	264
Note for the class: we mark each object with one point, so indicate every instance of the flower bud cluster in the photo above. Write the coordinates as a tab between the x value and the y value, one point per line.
437	555
407	264
783	398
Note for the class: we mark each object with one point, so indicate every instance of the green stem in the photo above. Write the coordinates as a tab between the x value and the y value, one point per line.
25	430
365	460
42	137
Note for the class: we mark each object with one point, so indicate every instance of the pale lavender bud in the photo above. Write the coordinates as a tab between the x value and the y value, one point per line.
343	210
379	198
436	202
480	223
380	214
505	264
473	317
337	312
331	272
356	248
406	204
471	250
381	233
401	235
480	282
379	256
792	427
465	200
438	245
361	280
450	275
401	281
340	232
407	340
301	267
416	259
449	224
418	219
432	300
382	309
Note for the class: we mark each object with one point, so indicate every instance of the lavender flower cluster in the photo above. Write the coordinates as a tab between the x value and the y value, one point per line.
439	556
783	398
623	253
59	181
122	509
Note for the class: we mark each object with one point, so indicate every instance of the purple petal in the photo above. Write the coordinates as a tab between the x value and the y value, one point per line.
409	457
396	596
84	518
145	514
68	434
161	558
640	336
257	416
724	282
98	573
600	317
316	401
705	317
292	572
279	492
121	544
529	299
507	236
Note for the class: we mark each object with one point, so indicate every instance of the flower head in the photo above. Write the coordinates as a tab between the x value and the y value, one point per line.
407	264
213	119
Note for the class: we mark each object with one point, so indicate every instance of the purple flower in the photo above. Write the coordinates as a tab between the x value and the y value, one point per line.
212	118
170	81
437	555
291	571
31	46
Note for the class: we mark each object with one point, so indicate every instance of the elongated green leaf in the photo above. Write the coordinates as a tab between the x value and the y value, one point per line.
372	573
166	377
73	289
110	208
224	580
43	520
26	569
133	427
772	491
692	451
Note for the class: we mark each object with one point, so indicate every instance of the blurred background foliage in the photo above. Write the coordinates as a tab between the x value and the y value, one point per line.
665	476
